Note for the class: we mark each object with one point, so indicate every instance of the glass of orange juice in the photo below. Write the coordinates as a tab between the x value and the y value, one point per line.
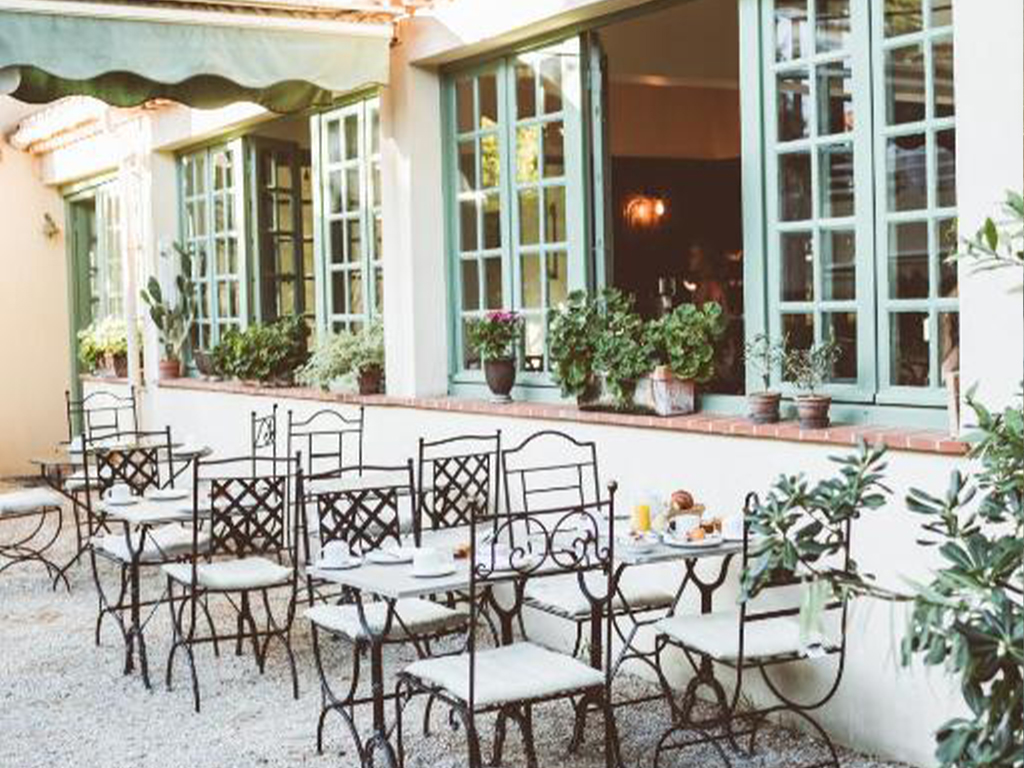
642	517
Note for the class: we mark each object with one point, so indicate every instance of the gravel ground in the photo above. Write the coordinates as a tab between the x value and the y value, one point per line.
64	702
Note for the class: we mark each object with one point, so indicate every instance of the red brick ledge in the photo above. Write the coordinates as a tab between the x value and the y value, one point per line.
903	439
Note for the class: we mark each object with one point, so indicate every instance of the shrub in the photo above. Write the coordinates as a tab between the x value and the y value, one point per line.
263	352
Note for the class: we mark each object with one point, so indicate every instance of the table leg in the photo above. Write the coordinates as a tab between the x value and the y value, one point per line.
379	740
134	637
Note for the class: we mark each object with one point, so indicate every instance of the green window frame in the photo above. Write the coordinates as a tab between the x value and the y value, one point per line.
836	108
106	261
213	195
347	204
515	181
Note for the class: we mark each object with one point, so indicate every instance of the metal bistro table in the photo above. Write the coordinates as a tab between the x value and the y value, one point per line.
139	520
393	582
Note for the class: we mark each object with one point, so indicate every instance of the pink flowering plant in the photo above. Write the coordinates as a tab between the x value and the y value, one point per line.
496	335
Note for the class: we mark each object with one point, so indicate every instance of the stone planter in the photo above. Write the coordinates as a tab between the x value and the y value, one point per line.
764	407
669	395
204	362
812	411
169	369
501	377
369	380
116	365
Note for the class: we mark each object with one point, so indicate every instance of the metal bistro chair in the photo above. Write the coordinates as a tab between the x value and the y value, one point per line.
101	414
327	439
511	679
362	510
553	469
143	461
263	433
455	476
760	638
248	553
31	543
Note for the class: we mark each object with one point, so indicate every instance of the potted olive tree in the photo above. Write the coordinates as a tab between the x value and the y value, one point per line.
809	369
173	319
762	354
683	345
496	337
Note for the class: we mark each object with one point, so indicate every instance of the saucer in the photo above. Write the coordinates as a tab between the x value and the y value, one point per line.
122	502
397	556
707	541
351	562
167	494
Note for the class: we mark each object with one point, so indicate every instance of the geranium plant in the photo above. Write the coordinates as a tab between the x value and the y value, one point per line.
684	340
496	335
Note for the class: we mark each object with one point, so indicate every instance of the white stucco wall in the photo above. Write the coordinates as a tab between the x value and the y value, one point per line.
880	708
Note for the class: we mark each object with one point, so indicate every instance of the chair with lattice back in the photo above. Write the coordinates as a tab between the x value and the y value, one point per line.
456	475
248	551
361	508
550	469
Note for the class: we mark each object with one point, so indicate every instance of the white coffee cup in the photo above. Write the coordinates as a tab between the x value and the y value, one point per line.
680	525
119	492
334	553
430	560
732	527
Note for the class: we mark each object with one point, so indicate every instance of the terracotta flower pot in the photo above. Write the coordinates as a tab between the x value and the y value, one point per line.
169	369
369	381
501	377
812	411
764	407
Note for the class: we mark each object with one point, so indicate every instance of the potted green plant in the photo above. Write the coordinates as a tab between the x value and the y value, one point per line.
808	369
572	346
683	343
763	355
263	354
347	360
105	341
623	350
173	319
496	337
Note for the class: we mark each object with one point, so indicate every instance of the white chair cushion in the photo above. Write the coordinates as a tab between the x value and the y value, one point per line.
164	543
718	635
232	575
420	617
562	594
516	672
29	500
75	482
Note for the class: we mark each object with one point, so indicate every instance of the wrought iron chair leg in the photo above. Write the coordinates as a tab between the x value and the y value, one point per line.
427	710
205	605
526	727
500	728
578	644
472	737
580	723
612	754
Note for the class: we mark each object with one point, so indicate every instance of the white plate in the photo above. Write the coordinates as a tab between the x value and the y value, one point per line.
707	541
167	494
352	562
122	502
445	570
396	556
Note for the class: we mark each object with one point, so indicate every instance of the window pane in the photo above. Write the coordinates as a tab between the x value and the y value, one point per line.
904	84
942	84
791	30
285	256
352	192
554	149
527	154
798	330
378	290
492	283
529	216
284	214
942	13
793	89
833	24
467	225
490	161
533	343
351	137
557	277
355	291
902	17
795	186
908	260
334	191
338	303
945	161
526	90
467	166
470	285
464	105
530	277
842	328
949	344
470	356
835	98
488	93
551	83
554	214
353	241
909	349
492	221
838	263
907	172
797	266
946	239
836	169
337	242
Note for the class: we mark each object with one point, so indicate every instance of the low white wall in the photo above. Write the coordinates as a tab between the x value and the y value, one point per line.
880	708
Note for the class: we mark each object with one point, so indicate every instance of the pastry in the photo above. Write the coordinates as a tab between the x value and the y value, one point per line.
681	500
